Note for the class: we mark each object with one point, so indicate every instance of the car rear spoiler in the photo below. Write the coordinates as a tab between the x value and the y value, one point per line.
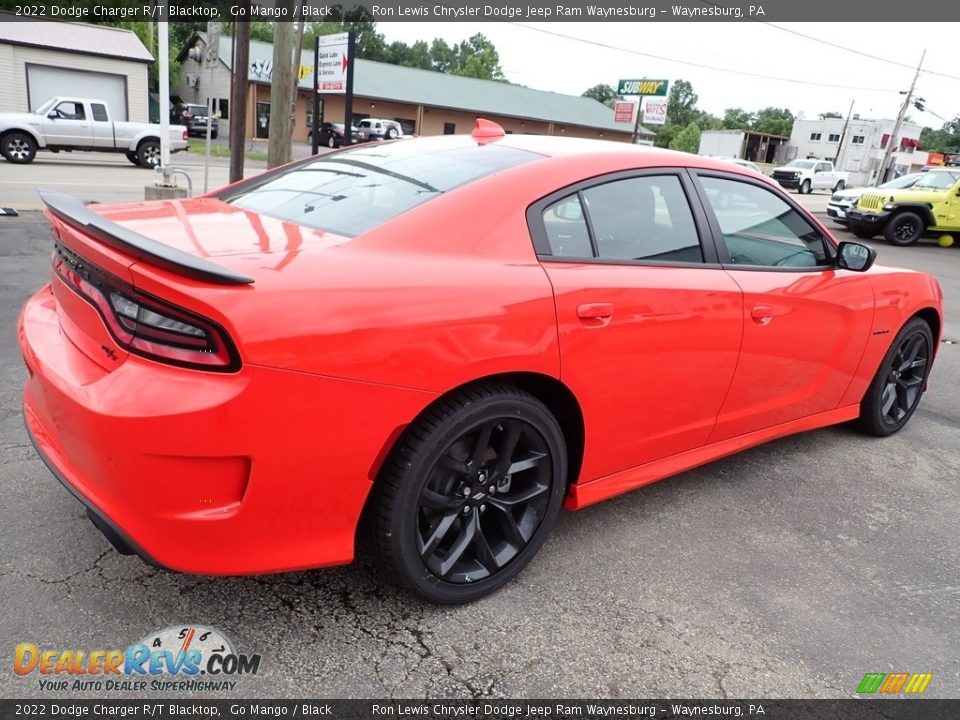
74	212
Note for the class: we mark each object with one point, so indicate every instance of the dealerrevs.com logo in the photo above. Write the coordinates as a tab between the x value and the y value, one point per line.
187	658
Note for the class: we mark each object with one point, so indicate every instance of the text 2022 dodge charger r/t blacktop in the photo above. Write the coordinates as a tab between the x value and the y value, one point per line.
451	337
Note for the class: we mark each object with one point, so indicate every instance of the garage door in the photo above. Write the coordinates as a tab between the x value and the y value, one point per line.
45	82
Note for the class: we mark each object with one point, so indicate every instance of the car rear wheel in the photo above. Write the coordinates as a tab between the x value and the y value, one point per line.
900	381
470	493
903	228
18	147
148	153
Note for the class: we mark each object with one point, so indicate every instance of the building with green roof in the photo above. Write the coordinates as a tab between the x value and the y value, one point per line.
423	101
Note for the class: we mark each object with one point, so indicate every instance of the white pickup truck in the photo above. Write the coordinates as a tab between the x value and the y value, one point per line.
805	176
68	123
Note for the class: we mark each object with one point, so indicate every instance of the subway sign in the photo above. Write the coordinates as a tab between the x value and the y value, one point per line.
652	88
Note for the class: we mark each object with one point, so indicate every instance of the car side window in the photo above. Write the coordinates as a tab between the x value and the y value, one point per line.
761	229
99	112
70	110
566	228
822	167
643	218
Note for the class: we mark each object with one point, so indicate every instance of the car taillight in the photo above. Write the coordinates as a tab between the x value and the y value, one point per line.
186	135
146	325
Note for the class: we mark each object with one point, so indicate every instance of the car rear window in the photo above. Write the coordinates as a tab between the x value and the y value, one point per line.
351	192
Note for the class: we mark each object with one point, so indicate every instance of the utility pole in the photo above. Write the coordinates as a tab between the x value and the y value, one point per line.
212	56
281	92
894	141
238	95
843	136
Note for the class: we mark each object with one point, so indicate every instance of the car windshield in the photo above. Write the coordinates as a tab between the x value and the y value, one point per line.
801	164
351	192
938	180
45	108
904	181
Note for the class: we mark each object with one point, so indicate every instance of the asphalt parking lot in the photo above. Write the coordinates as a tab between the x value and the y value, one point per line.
789	570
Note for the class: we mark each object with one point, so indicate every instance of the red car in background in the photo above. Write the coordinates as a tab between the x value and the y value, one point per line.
451	337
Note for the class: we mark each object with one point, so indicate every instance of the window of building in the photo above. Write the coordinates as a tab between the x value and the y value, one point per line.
815	136
858	140
833	137
223	108
449	128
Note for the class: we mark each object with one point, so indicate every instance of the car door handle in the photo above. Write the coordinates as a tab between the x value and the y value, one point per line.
594	311
762	314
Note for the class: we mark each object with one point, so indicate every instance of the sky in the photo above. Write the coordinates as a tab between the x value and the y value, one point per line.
532	57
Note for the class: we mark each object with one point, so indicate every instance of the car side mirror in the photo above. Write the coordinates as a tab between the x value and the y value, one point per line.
52	114
855	256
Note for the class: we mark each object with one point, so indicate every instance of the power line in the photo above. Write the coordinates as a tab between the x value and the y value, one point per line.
745	73
849	50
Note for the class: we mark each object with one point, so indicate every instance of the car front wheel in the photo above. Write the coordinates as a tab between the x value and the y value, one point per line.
903	228
804	187
900	381
18	147
470	493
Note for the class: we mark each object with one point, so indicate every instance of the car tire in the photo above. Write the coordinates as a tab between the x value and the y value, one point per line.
904	228
18	147
839	186
132	157
897	387
805	188
453	520
331	142
148	153
213	134
392	134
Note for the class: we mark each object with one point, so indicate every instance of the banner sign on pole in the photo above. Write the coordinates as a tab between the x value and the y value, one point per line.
654	110
623	112
332	63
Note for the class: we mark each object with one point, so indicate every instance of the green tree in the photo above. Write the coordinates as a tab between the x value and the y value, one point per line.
944	139
478	58
602	93
442	56
736	119
682	103
261	31
824	116
774	121
687	140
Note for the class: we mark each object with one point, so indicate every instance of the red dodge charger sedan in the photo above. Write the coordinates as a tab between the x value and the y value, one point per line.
447	337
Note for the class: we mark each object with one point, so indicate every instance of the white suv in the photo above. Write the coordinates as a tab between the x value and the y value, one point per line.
379	129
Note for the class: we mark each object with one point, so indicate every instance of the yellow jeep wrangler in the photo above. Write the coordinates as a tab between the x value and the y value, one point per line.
930	208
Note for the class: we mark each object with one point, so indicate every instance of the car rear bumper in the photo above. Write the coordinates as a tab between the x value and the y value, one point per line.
259	471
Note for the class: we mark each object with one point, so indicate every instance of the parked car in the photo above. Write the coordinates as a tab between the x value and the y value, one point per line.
842	201
743	163
194	118
331	134
423	321
379	129
68	124
930	207
805	176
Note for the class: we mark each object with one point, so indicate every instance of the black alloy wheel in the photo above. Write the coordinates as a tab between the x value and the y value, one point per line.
904	228
896	389
470	493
